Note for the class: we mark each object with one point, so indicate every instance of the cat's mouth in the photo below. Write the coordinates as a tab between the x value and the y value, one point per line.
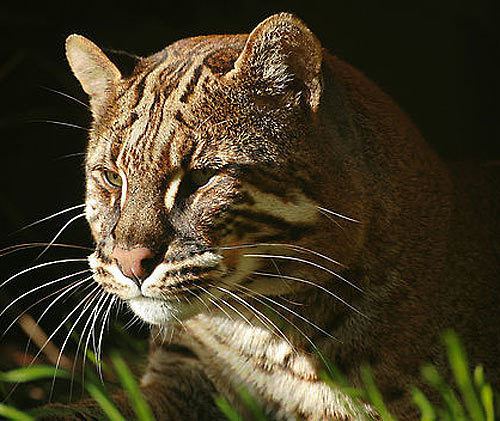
163	295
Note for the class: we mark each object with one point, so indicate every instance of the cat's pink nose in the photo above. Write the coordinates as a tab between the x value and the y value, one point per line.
137	263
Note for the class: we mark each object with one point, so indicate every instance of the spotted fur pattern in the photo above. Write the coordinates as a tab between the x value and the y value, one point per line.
298	214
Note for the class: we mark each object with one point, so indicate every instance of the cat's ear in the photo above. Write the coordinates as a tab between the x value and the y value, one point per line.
95	72
281	54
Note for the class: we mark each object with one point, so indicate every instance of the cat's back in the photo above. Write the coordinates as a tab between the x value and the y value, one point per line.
472	278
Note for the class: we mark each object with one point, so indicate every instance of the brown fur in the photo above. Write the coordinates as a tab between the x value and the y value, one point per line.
285	127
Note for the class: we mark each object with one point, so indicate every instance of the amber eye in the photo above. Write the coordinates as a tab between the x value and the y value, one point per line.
199	178
112	179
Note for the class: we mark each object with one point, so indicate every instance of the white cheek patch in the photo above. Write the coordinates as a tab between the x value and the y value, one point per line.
91	209
172	190
299	209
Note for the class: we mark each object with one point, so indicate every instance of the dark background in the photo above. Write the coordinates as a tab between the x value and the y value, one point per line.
437	59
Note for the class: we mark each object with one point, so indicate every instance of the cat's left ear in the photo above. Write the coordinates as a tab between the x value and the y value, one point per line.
282	54
95	72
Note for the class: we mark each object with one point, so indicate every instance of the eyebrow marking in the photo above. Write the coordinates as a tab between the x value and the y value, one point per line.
123	196
172	189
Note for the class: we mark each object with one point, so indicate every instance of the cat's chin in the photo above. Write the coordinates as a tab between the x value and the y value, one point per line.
156	312
159	312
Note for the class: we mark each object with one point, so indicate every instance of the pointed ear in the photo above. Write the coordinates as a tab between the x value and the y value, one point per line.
281	55
95	72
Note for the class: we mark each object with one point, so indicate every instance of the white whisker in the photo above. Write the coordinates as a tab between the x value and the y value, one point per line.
239	313
25	246
101	334
290	246
59	327
75	360
41	265
67	224
214	301
199	299
72	98
61	351
305	281
61	123
302	333
267	321
31	291
50	217
34	305
338	215
307	262
85	341
92	318
314	325
69	290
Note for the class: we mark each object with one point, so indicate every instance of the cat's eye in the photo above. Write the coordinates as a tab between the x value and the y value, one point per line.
201	177
112	179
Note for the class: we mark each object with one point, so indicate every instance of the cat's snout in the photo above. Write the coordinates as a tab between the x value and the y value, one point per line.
136	263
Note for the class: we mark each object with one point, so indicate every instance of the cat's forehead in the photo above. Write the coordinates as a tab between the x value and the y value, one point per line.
163	112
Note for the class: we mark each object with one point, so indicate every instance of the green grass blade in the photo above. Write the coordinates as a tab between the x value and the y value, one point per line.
11	413
479	379
488	402
427	412
29	374
106	404
434	379
141	407
374	395
485	392
252	405
225	407
460	368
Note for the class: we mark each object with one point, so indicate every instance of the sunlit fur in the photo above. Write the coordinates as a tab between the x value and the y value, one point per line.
322	235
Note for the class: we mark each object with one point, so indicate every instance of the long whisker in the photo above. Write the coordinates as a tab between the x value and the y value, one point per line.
314	325
61	123
214	301
331	218
302	333
67	224
239	313
69	155
31	291
93	314
95	327
55	91
290	246
91	334
305	281
80	339
200	300
101	334
307	262
34	305
73	287
338	215
41	265
25	246
50	217
259	314
61	351
67	293
61	325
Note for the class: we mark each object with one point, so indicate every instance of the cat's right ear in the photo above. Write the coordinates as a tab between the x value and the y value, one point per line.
95	72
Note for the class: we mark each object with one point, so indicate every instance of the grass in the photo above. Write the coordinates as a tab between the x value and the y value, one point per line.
470	397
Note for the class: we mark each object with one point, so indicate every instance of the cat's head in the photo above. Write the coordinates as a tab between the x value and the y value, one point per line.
206	147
